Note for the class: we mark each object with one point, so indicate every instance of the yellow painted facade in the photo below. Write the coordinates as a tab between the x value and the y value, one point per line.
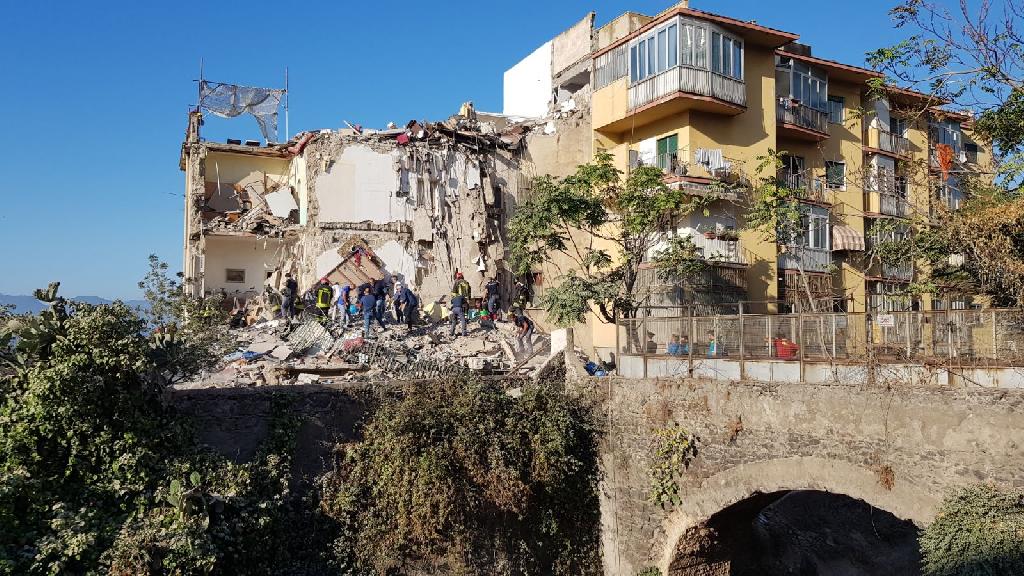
705	116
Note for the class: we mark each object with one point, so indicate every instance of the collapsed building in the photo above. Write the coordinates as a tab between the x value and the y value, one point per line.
428	200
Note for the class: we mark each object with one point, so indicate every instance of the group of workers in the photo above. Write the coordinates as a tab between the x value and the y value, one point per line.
343	303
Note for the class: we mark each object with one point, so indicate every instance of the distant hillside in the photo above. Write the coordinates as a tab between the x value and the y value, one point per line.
24	303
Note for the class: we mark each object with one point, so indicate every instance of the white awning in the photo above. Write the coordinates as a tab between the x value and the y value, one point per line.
846	238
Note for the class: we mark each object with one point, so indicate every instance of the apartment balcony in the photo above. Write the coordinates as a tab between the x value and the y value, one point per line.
888	143
806	188
904	271
800	122
718	250
695	180
887	195
669	93
805	259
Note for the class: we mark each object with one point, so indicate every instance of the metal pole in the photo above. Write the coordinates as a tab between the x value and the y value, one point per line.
995	338
286	132
834	337
909	352
743	367
800	339
199	96
693	343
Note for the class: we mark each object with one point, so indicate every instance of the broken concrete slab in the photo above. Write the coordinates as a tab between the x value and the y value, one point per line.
310	335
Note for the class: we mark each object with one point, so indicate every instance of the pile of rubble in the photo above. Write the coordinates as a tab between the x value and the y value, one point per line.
278	352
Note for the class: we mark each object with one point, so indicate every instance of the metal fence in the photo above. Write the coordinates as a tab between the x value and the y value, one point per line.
984	337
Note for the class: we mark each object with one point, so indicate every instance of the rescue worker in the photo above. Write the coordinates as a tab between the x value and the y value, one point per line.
335	298
491	297
380	292
520	294
408	301
343	304
525	335
323	295
368	306
398	305
461	287
458	314
288	293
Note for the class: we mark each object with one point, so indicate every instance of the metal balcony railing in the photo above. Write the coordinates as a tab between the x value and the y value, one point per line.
797	114
893	143
718	249
806	259
807	188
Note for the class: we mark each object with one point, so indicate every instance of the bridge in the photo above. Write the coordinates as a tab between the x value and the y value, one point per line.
898	448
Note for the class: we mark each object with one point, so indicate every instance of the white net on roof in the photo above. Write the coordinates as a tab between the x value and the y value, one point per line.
230	100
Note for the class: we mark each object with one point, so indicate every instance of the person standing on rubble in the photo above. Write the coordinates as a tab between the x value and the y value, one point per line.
492	298
408	301
458	314
290	291
324	296
525	336
343	304
380	292
335	299
520	294
397	303
461	287
368	306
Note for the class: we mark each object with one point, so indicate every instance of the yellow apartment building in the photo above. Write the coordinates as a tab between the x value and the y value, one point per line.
708	97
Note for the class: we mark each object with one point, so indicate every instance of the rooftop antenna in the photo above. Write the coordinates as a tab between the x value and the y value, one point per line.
199	101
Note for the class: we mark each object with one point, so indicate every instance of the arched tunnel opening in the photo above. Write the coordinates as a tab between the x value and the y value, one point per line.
799	533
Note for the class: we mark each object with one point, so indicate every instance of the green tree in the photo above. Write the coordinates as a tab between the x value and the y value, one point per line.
187	333
603	227
979	531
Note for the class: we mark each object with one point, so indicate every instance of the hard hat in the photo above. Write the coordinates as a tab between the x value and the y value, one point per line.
458	274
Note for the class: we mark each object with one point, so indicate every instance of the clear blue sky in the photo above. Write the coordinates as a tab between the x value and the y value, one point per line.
95	96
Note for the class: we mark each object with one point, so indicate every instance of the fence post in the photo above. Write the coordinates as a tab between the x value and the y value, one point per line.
834	337
693	344
743	351
643	342
800	339
995	338
909	316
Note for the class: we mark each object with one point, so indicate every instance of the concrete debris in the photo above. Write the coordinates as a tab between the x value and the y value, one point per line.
275	353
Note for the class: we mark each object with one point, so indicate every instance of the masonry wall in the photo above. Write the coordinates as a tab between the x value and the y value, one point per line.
757	437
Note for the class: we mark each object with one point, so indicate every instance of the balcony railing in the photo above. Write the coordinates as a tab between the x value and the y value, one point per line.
902	271
893	205
806	259
893	143
717	249
789	112
806	187
688	80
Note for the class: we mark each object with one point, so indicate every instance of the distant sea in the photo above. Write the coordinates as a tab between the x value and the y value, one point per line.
25	303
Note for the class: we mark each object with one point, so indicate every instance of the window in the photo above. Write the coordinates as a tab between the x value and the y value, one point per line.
663	45
836	113
726	56
808	85
898	126
633	65
667	149
673	45
642	60
814	228
234	276
835	174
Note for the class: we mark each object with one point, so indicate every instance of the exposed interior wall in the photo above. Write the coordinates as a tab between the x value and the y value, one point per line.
527	85
256	256
360	184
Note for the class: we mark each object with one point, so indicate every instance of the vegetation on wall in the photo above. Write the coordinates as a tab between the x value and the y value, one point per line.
978	531
460	477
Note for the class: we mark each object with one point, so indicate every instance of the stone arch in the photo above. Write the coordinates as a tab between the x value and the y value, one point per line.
729	487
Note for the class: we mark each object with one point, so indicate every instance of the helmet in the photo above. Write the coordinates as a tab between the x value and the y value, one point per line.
324	280
458	275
